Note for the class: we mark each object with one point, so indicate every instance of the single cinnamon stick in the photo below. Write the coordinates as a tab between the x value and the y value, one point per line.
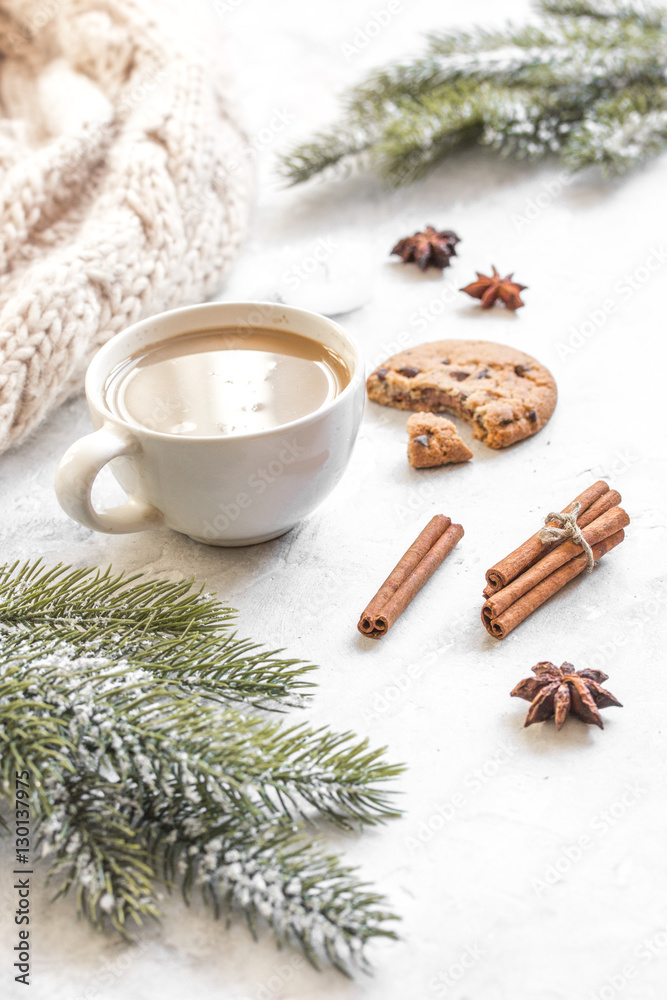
393	597
607	524
424	541
516	562
521	609
608	500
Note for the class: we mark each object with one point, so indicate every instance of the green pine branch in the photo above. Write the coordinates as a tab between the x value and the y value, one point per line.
92	603
115	695
167	628
586	83
109	851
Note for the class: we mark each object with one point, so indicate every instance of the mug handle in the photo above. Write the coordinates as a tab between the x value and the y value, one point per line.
77	472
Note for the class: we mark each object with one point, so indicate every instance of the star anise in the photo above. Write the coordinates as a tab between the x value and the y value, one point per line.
559	691
489	289
428	249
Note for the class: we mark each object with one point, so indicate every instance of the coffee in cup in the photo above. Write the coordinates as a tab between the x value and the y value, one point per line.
212	383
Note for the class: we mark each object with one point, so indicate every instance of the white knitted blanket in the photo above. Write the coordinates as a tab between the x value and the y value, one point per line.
124	183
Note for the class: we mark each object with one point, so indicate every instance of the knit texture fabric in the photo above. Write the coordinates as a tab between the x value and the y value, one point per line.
124	183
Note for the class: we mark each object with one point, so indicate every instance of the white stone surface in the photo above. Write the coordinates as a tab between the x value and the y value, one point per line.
499	900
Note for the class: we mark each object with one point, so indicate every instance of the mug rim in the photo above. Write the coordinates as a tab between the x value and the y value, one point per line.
94	385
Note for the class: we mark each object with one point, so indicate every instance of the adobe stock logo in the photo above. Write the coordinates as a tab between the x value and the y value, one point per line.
312	262
534	207
223	7
624	288
365	34
601	824
448	978
444	812
256	484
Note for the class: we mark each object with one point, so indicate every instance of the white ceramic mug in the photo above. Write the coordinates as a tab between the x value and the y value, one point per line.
235	490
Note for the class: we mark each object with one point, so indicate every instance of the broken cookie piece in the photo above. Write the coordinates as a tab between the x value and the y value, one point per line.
434	441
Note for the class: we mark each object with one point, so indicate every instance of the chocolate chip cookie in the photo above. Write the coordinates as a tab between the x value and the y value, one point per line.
434	441
505	394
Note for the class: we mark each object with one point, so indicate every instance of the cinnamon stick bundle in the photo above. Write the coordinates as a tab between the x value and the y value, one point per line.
409	575
502	625
609	523
594	501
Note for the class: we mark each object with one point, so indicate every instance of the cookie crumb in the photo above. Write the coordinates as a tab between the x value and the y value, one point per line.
434	441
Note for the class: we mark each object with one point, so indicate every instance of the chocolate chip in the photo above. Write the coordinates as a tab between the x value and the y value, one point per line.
459	376
462	395
422	439
506	421
521	370
532	416
408	371
382	373
445	361
483	374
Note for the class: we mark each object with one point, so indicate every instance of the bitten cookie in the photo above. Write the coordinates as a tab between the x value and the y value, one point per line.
434	441
505	394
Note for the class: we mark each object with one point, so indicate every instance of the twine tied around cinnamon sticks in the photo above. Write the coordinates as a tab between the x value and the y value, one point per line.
571	541
568	529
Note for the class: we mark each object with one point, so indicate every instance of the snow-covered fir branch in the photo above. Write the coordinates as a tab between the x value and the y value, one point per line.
127	703
530	91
